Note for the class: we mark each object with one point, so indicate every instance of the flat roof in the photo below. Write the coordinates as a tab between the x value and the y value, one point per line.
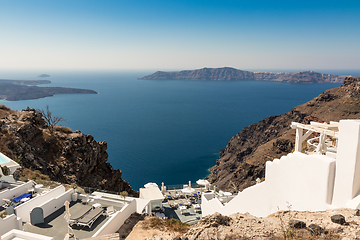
151	193
55	224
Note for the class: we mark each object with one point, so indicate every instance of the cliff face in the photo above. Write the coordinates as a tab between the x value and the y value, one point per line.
65	156
243	160
232	74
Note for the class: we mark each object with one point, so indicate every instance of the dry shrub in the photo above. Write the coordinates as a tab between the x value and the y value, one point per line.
176	225
167	224
5	108
62	129
36	175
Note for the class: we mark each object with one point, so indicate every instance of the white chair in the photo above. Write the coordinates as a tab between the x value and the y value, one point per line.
110	210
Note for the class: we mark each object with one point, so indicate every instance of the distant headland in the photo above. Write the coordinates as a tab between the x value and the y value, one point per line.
15	90
233	74
44	75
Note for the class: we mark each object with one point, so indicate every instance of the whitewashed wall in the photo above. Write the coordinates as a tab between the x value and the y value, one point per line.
17	234
117	220
15	192
347	182
117	203
8	223
24	209
302	181
54	204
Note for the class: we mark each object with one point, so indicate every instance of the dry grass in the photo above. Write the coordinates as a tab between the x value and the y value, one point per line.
36	176
172	225
62	129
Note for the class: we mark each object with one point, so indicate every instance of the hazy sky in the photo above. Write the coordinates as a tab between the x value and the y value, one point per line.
150	34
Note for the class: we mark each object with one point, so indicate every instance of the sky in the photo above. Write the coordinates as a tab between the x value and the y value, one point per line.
174	35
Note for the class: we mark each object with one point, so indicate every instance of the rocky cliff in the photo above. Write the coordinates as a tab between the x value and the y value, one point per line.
232	74
243	160
63	155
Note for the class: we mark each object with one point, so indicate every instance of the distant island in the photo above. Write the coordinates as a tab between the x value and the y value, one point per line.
233	74
44	75
15	90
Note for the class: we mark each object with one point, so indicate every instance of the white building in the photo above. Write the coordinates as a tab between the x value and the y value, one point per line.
328	179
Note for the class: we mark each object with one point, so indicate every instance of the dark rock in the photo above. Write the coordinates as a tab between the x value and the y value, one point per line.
316	230
297	224
63	157
338	218
352	81
215	220
325	97
339	230
357	212
283	146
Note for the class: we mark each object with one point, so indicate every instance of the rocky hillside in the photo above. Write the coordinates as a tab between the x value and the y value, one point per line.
63	155
232	74
243	160
331	224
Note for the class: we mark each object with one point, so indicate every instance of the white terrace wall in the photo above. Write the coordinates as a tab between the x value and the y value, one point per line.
106	201
117	220
24	209
305	182
54	204
15	192
8	223
17	234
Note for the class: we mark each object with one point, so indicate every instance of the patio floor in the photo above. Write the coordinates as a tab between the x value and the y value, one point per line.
190	216
56	226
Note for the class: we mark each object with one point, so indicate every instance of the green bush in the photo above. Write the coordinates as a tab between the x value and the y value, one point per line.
5	170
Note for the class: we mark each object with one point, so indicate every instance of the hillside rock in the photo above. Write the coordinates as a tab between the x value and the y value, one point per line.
232	74
65	156
243	160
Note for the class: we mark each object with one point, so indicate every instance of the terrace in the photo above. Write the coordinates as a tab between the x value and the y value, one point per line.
56	226
183	202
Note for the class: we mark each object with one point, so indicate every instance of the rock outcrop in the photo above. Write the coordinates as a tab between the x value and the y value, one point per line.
243	160
232	74
63	155
280	225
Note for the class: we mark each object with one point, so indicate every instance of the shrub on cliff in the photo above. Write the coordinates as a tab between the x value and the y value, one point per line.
50	120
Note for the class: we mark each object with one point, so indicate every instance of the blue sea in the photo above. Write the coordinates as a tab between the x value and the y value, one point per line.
164	131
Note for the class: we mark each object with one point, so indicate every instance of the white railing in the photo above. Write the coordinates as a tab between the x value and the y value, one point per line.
313	144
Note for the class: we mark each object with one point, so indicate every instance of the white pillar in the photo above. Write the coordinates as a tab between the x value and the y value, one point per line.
347	175
298	139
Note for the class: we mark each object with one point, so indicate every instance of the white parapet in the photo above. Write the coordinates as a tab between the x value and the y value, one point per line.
18	234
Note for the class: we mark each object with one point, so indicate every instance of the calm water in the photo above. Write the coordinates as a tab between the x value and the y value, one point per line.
170	131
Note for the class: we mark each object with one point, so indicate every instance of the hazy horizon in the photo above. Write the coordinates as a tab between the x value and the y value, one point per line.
177	35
